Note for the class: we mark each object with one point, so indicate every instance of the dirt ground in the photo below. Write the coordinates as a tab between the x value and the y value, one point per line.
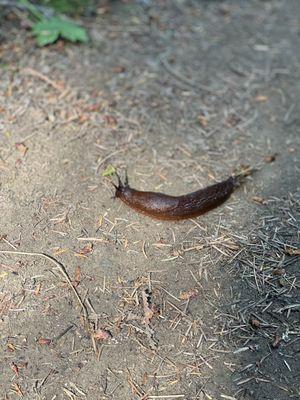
179	93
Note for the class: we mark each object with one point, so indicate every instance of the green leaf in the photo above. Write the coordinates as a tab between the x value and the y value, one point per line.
49	30
47	37
73	32
109	171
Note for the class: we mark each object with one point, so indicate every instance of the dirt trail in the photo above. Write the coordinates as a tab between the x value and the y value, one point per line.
180	94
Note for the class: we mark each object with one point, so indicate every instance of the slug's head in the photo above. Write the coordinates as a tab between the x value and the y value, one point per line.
122	187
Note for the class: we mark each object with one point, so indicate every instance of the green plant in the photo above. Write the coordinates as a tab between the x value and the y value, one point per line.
71	7
109	171
48	29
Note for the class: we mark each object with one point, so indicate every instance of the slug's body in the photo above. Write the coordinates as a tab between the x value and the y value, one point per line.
162	206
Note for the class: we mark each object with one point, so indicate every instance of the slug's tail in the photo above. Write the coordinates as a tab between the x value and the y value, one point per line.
240	174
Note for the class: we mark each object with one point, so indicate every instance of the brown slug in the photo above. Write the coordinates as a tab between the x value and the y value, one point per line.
162	206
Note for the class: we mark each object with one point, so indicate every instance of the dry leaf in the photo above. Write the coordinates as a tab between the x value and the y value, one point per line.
291	251
270	158
190	294
203	121
15	368
119	69
261	99
155	309
11	347
102	10
83	118
278	271
276	342
85	250
94	107
232	120
59	250
77	277
17	389
281	282
102	334
44	341
254	323
259	200
37	290
111	121
21	148
145	379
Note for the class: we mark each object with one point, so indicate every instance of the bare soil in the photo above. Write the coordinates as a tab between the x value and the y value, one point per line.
179	93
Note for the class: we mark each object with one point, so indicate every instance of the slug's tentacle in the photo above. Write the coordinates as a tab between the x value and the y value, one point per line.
121	184
126	178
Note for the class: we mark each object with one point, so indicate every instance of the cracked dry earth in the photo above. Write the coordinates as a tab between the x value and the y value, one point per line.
180	93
